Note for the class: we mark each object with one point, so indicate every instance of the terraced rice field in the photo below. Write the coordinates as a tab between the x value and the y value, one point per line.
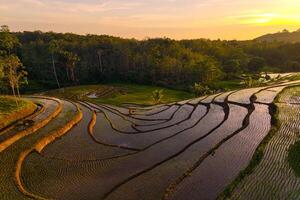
273	178
186	150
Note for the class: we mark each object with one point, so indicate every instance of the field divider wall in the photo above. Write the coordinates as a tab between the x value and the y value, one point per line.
38	147
5	144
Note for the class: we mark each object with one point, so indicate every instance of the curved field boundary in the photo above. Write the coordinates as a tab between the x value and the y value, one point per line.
187	110
18	179
223	165
7	133
151	112
178	123
251	108
163	112
91	132
154	129
133	124
40	111
135	164
140	117
145	186
147	166
168	106
40	108
38	147
125	117
148	109
58	133
181	131
174	155
197	100
177	132
10	156
269	160
189	171
145	148
99	109
195	135
28	114
18	115
128	114
211	98
33	128
186	174
140	106
171	117
114	127
82	146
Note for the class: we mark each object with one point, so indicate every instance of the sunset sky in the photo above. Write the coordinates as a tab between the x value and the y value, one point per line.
178	19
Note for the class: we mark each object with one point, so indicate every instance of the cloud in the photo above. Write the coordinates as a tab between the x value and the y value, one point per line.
142	18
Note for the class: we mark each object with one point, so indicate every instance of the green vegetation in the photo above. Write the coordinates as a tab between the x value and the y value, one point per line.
256	159
294	158
74	93
258	155
56	60
12	72
200	89
226	85
157	96
119	93
9	111
294	78
63	60
8	105
294	151
142	95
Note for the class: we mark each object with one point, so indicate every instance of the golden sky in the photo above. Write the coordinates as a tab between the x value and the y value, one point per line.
178	19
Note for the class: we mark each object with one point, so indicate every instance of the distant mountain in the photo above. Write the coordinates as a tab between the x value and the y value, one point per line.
283	36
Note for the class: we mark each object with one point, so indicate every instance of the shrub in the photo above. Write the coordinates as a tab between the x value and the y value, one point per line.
200	89
157	96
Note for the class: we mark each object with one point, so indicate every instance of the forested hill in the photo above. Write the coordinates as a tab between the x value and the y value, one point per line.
86	59
284	36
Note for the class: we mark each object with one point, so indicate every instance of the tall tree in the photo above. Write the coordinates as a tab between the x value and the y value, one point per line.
54	48
14	73
71	60
99	54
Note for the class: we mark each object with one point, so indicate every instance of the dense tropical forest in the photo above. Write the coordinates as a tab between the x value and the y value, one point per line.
57	59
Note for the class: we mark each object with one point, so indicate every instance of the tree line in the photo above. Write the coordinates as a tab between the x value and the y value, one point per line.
12	71
68	59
